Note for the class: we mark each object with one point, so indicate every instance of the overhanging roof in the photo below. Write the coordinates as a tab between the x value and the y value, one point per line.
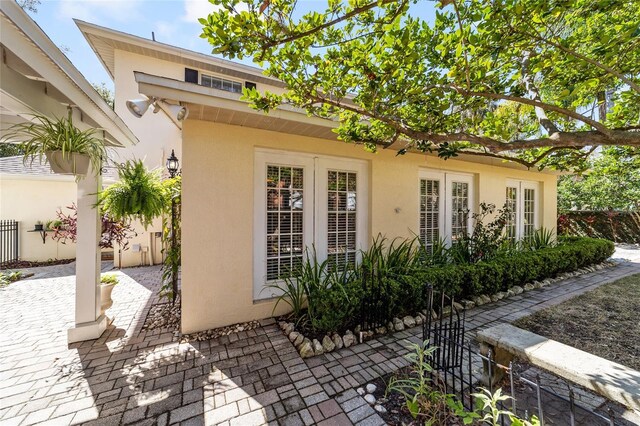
209	104
36	74
215	105
105	41
16	168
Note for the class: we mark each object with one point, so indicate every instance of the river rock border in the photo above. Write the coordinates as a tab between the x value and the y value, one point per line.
308	348
167	316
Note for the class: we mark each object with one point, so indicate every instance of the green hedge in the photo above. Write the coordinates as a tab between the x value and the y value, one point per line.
403	288
518	268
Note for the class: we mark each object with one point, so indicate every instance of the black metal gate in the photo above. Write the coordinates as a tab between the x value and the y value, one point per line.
444	330
375	309
8	242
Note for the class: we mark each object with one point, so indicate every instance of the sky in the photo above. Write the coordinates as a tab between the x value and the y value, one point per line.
174	22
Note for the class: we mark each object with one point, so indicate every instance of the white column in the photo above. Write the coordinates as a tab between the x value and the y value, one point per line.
89	322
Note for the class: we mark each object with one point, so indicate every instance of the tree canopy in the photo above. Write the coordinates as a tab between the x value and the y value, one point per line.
538	82
612	182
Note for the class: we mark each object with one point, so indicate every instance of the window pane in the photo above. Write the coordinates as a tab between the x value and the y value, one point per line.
220	83
429	212
529	211
341	218
285	219
512	206
460	209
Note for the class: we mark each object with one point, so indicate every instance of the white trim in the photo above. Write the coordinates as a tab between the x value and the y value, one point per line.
263	158
168	88
440	178
314	205
520	186
323	165
35	48
446	180
187	56
450	179
87	331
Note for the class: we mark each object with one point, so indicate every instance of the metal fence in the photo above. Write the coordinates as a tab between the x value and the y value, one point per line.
462	371
375	306
8	241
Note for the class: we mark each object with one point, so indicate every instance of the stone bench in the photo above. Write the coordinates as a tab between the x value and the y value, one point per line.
609	379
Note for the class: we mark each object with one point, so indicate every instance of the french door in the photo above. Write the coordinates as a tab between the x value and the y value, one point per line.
522	199
446	204
306	202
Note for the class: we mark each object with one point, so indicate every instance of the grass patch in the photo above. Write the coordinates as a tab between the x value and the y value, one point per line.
603	322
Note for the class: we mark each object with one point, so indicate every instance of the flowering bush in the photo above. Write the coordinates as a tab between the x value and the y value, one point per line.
66	228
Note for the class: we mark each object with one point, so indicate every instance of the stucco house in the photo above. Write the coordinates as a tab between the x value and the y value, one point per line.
42	192
38	78
31	193
258	189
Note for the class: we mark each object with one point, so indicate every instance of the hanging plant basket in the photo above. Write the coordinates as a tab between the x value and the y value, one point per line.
70	163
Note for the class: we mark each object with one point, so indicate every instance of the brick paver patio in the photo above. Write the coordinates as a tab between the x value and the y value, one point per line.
147	377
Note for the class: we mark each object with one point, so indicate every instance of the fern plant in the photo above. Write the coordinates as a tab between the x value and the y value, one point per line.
139	194
44	134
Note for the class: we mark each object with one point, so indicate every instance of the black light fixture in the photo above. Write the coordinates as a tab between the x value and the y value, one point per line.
173	165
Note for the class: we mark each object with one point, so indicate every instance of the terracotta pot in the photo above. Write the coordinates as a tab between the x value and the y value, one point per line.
105	297
69	164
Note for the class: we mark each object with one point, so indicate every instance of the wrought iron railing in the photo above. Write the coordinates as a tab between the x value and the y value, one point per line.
461	370
375	307
9	248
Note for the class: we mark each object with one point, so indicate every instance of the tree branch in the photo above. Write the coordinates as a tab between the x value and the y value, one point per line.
588	60
548	125
545	106
356	11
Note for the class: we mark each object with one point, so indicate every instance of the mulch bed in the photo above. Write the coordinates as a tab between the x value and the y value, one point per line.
21	264
603	322
397	412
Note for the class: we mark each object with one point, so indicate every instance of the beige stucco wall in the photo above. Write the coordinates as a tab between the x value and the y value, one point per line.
30	200
156	133
218	198
157	137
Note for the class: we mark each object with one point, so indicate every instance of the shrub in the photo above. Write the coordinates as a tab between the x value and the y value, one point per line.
487	239
518	268
109	279
7	278
618	226
394	276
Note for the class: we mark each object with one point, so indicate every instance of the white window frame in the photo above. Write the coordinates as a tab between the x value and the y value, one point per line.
262	160
323	165
520	186
315	221
222	81
445	201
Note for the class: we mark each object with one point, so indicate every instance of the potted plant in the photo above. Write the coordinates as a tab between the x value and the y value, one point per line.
68	149
54	224
38	226
107	283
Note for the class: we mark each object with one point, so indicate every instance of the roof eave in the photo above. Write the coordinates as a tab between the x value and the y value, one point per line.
59	67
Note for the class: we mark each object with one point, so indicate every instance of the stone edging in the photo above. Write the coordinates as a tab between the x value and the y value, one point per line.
308	348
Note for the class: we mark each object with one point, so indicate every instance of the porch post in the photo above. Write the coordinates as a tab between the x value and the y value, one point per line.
89	323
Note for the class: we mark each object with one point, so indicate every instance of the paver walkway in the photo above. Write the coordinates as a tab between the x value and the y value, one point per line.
145	377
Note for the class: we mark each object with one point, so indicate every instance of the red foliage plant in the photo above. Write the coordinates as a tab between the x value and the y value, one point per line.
112	231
